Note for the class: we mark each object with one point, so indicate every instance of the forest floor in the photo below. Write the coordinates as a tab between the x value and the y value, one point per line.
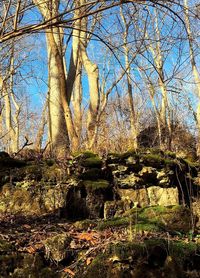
28	235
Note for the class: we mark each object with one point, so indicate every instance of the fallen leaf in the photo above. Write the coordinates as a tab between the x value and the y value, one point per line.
89	260
67	270
30	249
92	237
26	226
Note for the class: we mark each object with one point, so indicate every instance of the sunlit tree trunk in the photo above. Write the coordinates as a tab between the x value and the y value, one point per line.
58	105
11	117
194	70
133	118
40	133
15	126
76	101
93	82
74	88
165	119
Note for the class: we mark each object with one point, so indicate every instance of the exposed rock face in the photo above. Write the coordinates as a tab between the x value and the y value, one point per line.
81	187
129	196
151	196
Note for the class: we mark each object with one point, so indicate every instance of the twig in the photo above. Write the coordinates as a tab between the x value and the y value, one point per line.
25	145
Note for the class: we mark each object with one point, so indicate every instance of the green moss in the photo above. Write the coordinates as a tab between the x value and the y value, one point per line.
93	162
180	250
98	184
156	160
123	250
98	267
84	154
148	227
130	152
88	154
173	219
25	184
114	222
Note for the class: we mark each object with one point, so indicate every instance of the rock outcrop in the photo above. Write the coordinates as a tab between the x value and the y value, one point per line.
82	186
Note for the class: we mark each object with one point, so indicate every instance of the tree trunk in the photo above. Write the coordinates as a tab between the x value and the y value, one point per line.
93	82
58	106
194	70
76	101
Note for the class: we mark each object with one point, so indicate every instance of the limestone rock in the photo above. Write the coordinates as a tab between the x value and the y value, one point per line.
139	196
163	196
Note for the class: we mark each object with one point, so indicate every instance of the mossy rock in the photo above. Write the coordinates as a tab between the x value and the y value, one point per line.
151	258
95	185
22	265
25	265
156	161
181	249
91	174
29	172
56	247
122	157
8	263
23	202
114	222
172	219
85	224
85	154
92	162
53	173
